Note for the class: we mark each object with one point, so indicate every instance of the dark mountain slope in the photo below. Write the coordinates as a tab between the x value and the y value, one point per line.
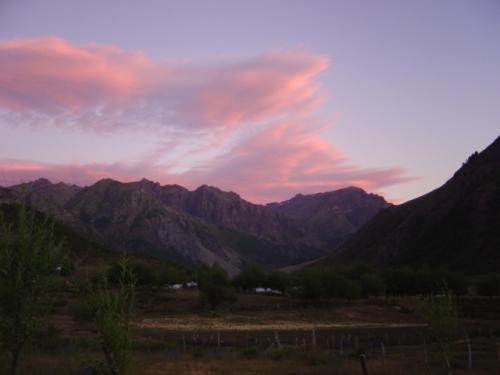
204	225
128	217
229	210
332	216
455	226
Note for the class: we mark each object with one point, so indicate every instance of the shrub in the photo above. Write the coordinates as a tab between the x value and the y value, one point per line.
213	283
490	286
111	314
372	284
29	257
440	313
251	277
278	280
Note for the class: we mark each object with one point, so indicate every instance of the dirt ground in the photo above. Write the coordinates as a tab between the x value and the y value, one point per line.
174	337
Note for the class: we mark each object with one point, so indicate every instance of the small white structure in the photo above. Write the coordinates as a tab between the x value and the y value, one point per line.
261	290
192	284
174	286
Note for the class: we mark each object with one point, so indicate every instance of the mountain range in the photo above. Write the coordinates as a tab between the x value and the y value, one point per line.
205	225
456	226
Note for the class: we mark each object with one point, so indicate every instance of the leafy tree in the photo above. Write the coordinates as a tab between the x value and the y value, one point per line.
348	289
441	316
144	273
111	311
356	270
372	284
214	287
172	275
251	277
490	286
29	256
401	281
309	284
278	280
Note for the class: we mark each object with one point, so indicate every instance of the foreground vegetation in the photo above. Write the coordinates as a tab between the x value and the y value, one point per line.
70	312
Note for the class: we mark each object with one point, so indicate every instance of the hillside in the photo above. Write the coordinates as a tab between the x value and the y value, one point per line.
205	225
332	216
455	226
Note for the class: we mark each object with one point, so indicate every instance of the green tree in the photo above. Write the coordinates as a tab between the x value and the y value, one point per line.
309	284
111	313
251	277
144	273
214	286
372	284
440	313
29	256
278	280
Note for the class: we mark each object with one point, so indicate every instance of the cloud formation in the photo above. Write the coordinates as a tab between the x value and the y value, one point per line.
101	87
251	122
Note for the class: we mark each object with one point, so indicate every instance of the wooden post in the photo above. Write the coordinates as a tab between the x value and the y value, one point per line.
184	341
362	360
313	339
401	355
382	347
218	340
469	351
448	364
277	339
426	357
342	345
356	344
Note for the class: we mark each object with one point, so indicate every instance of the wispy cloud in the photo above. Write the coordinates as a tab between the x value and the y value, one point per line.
244	124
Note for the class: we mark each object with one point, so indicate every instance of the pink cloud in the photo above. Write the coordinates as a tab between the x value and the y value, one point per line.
289	158
103	87
273	165
195	108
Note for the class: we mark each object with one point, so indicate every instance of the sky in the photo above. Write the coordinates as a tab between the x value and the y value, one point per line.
264	98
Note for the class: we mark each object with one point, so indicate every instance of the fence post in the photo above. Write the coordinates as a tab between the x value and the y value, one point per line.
426	357
364	368
277	339
382	346
469	351
314	339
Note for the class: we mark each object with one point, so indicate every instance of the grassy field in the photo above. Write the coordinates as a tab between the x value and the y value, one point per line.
272	335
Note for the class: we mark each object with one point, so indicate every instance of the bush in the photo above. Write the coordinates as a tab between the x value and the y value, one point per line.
440	313
144	273
172	275
490	286
251	277
213	283
278	280
111	315
250	352
308	284
372	284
